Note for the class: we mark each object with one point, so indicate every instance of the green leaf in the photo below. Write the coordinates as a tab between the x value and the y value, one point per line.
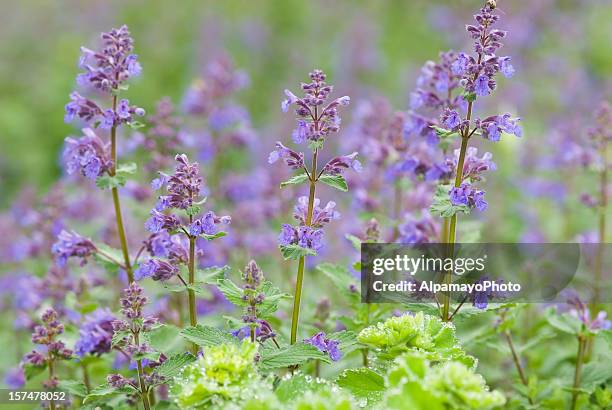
564	322
335	181
273	296
231	291
355	241
135	125
174	364
442	205
119	336
295	251
443	132
165	405
362	383
219	234
109	182
74	387
295	180
105	390
290	388
315	145
469	97
127	169
291	355
342	279
151	356
193	210
207	335
212	274
30	371
166	339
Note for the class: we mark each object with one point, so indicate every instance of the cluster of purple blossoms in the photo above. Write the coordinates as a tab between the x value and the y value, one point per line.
96	333
577	308
184	186
71	244
337	165
436	83
106	70
308	234
45	335
132	304
467	195
293	159
208	224
88	154
478	74
415	231
325	345
157	269
315	119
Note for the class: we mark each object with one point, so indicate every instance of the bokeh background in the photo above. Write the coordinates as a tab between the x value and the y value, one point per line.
371	50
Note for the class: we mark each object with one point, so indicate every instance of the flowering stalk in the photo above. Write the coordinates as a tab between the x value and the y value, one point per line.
315	122
105	70
582	342
477	78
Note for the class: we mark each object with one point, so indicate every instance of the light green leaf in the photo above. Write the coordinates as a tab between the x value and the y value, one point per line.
231	291
564	322
207	335
442	205
174	364
335	181
127	169
295	251
219	234
74	387
106	391
355	241
291	355
31	370
362	383
342	279
295	180
166	339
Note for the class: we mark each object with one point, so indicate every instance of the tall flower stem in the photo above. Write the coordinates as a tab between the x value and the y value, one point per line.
144	394
582	341
115	193
300	274
193	315
517	361
51	366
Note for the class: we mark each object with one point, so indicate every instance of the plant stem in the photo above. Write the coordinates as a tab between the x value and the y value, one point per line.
397	209
117	204
300	274
517	362
51	365
364	355
193	318
86	377
578	371
144	394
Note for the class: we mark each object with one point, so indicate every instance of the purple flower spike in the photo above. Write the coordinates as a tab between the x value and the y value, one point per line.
325	345
293	159
157	269
338	164
87	155
96	333
71	244
206	224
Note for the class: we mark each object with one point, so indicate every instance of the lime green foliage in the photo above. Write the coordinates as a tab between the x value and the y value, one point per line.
224	373
415	333
414	383
327	399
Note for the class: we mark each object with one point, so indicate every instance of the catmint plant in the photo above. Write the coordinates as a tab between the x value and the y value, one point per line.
105	71
130	335
184	192
477	77
317	119
53	349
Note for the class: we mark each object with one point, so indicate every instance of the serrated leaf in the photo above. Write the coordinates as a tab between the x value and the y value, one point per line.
362	383
212	274
273	296
105	390
207	335
442	206
231	291
295	251
335	181
291	355
118	337
295	180
166	339
150	356
193	210
109	182
74	387
174	364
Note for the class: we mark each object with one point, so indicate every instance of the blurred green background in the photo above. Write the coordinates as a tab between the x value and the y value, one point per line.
381	43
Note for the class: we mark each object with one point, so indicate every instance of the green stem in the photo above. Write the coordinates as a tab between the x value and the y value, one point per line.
193	315
397	209
144	393
51	365
517	362
300	274
86	377
578	371
117	204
